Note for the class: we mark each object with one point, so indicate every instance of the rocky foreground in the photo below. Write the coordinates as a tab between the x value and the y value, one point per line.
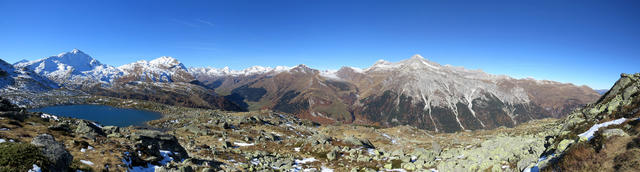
209	140
189	139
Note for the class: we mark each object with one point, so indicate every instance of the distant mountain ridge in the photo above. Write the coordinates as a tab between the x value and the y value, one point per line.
12	78
164	79
414	91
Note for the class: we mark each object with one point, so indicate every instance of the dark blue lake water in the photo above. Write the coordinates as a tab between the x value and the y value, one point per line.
105	115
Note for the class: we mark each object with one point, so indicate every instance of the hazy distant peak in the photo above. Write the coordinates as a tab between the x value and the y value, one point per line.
302	68
21	61
417	56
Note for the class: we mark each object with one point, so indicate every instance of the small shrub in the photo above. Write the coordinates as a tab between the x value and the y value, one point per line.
79	166
20	157
628	161
580	157
3	73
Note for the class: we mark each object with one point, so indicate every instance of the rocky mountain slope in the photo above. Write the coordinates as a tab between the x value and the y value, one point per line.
415	91
22	85
604	136
20	79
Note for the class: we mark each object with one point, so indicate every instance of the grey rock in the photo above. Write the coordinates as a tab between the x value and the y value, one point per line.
408	166
526	162
359	142
613	132
111	129
321	139
435	146
564	144
88	129
54	151
332	155
163	141
63	126
196	130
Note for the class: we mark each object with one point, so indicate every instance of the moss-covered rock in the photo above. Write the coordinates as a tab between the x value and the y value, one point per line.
20	157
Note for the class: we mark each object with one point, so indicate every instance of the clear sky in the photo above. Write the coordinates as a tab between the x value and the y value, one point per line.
580	41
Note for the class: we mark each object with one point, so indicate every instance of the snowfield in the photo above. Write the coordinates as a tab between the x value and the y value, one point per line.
589	133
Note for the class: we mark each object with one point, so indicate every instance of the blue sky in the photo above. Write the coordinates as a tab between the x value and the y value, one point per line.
582	42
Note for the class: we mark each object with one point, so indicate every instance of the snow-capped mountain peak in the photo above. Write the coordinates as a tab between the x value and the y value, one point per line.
166	61
21	61
417	56
162	69
70	67
302	68
416	62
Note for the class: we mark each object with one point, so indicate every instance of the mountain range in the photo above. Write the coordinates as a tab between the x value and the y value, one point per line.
414	91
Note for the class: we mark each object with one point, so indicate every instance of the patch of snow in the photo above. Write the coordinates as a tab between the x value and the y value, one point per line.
96	124
4	129
393	141
49	116
243	144
86	162
325	169
371	151
397	169
306	160
3	140
166	155
331	74
35	169
255	161
589	133
296	149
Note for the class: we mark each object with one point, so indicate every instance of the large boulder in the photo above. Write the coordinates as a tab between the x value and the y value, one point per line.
160	141
88	129
359	142
54	151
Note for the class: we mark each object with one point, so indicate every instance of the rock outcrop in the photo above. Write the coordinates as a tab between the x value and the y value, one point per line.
153	141
54	151
594	137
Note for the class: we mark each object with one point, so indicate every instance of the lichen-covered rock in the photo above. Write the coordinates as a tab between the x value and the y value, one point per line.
150	138
496	152
62	126
359	142
88	129
613	132
111	129
332	155
564	144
